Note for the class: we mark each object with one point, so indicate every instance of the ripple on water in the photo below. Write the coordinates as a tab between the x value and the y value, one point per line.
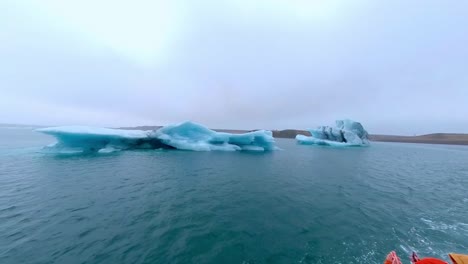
303	204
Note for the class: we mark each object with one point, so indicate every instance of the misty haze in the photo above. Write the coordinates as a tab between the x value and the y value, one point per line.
233	131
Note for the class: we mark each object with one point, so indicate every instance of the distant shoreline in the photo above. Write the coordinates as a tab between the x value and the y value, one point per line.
436	138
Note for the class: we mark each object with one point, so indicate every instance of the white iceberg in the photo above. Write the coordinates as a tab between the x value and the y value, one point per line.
345	133
184	136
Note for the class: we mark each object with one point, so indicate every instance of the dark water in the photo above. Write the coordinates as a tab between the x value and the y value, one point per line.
300	205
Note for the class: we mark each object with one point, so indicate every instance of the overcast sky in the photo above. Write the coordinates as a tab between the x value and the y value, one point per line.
397	66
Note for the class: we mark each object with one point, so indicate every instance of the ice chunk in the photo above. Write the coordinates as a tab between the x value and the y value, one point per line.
192	136
94	139
184	136
345	133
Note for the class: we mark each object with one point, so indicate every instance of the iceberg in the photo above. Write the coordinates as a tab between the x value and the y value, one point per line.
192	136
345	133
184	136
71	139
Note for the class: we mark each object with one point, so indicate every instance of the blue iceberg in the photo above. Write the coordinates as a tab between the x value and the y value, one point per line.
191	136
184	136
345	133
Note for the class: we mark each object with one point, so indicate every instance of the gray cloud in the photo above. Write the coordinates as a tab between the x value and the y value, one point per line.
397	66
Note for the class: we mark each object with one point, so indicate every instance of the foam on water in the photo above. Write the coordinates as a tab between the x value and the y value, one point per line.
440	226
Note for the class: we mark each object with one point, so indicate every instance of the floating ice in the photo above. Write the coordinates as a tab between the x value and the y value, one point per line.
71	139
191	136
184	136
345	133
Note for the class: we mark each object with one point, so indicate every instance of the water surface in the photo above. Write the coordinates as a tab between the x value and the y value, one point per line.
300	205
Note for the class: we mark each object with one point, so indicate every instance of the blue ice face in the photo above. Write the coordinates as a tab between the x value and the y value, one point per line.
192	136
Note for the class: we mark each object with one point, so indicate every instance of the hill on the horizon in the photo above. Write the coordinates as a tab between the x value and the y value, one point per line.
435	138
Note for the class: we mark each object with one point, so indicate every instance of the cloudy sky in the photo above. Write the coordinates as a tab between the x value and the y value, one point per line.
397	66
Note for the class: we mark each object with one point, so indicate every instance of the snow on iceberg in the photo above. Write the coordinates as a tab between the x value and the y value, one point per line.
184	136
345	133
